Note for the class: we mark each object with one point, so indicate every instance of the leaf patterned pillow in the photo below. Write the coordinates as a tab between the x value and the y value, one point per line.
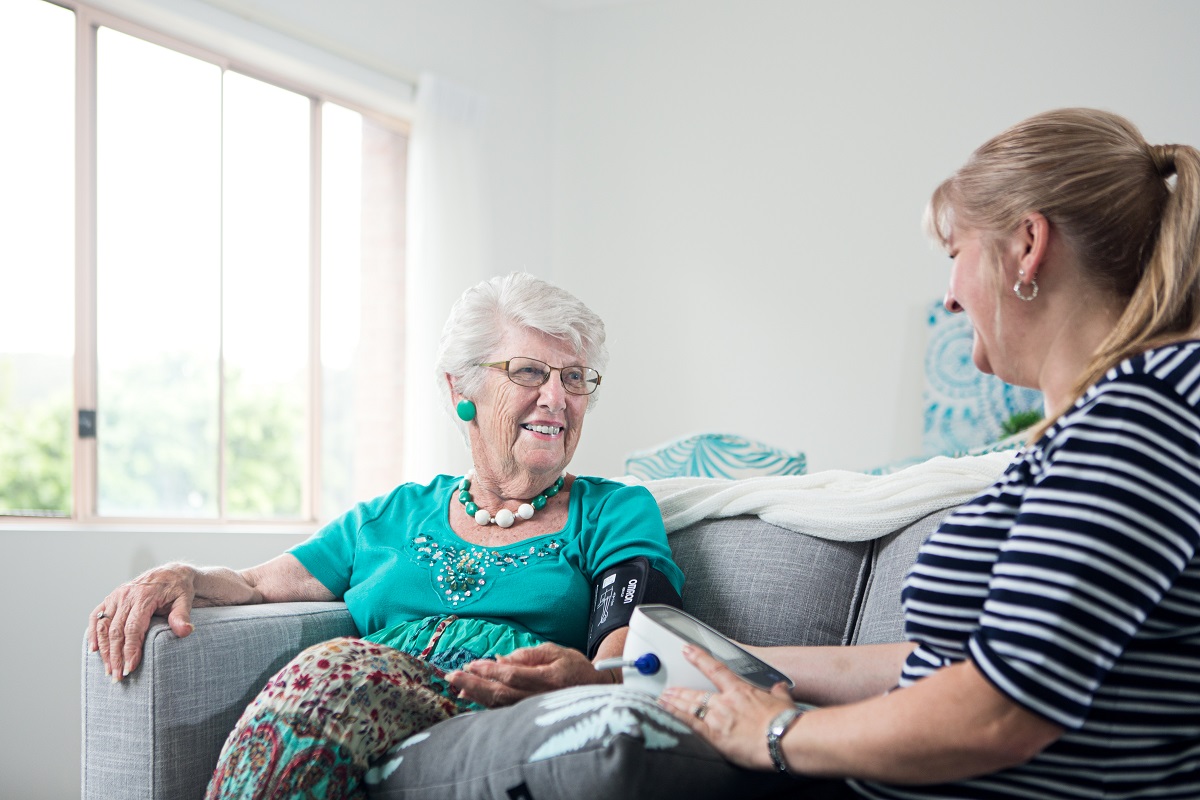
585	742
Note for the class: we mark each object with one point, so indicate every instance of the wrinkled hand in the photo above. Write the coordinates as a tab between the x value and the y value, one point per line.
736	716
524	673
117	627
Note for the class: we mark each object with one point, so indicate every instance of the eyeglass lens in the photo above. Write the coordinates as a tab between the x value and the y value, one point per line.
531	372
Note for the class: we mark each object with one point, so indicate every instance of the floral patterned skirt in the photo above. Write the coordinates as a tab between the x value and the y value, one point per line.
313	730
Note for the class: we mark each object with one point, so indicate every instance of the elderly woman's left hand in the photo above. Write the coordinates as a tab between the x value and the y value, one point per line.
524	673
735	718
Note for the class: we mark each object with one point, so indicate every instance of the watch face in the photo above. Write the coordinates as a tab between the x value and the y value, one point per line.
780	723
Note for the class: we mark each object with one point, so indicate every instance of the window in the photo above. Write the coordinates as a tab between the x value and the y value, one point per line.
202	310
37	258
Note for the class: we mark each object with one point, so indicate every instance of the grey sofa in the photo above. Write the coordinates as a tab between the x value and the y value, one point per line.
158	733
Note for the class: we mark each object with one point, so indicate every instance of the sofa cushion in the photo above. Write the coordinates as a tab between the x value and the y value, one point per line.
881	617
764	585
587	742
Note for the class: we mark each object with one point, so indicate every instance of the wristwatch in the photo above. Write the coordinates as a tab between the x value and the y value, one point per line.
775	732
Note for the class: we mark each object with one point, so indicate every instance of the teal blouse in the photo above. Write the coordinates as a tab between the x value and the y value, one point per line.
402	570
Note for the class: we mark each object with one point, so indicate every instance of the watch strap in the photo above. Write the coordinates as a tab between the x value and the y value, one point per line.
775	731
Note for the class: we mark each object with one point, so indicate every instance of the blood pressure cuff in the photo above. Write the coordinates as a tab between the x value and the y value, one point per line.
618	590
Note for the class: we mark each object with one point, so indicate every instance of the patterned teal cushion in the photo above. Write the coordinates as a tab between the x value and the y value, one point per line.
598	742
964	408
713	455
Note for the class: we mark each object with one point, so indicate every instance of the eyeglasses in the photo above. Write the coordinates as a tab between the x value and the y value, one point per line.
531	372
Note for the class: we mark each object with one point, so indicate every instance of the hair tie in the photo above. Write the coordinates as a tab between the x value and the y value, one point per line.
1163	156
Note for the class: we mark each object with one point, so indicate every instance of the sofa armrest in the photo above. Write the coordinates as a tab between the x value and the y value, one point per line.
158	733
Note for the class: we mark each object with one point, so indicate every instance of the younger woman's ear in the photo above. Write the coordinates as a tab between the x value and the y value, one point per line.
1033	241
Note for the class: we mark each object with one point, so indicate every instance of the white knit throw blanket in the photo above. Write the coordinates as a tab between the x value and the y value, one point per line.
834	504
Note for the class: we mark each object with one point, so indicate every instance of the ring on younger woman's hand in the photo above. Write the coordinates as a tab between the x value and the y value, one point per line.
702	709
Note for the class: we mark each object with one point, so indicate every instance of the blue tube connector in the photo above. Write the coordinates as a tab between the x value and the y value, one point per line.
647	664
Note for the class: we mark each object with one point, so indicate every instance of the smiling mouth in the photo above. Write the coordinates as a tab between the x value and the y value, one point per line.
548	430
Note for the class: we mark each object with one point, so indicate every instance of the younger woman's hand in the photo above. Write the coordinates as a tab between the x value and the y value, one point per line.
734	719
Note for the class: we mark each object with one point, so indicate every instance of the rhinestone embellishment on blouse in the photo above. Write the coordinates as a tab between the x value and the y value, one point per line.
464	573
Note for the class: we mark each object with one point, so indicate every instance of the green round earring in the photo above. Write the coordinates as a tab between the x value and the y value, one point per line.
465	410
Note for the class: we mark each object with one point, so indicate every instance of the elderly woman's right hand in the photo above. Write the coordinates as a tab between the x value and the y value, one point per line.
117	627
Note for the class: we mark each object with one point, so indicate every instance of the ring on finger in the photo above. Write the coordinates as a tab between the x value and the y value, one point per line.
701	710
102	615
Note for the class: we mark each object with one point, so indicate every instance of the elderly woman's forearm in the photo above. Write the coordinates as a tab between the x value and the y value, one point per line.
613	646
222	586
283	579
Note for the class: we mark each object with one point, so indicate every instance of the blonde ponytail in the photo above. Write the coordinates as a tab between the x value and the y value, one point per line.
1165	305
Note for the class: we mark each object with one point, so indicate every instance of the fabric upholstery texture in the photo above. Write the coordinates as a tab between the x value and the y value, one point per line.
159	731
880	619
804	589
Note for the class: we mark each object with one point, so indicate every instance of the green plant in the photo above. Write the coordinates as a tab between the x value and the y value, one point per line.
1020	421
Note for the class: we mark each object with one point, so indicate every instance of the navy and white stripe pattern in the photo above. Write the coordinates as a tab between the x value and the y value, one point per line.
1074	586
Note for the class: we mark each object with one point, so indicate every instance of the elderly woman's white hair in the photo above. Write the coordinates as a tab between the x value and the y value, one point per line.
479	319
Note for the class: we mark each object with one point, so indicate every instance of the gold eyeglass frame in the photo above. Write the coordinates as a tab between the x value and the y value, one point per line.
503	365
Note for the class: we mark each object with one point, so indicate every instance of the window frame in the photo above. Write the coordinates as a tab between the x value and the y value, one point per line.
84	453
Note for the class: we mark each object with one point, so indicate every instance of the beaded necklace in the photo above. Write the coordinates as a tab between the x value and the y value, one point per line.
504	518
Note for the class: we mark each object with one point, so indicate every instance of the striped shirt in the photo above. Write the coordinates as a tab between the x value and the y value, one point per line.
1073	584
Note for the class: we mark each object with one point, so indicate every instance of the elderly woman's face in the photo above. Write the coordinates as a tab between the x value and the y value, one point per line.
528	429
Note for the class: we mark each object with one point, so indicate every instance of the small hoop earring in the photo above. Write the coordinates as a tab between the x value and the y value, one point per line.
1026	297
465	410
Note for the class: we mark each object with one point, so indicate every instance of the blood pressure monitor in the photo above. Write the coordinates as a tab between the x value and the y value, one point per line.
653	656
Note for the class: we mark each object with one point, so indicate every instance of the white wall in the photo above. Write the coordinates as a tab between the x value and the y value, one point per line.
739	186
735	185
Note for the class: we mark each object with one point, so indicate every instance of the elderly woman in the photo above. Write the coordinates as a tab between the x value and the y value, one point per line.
1053	623
470	591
